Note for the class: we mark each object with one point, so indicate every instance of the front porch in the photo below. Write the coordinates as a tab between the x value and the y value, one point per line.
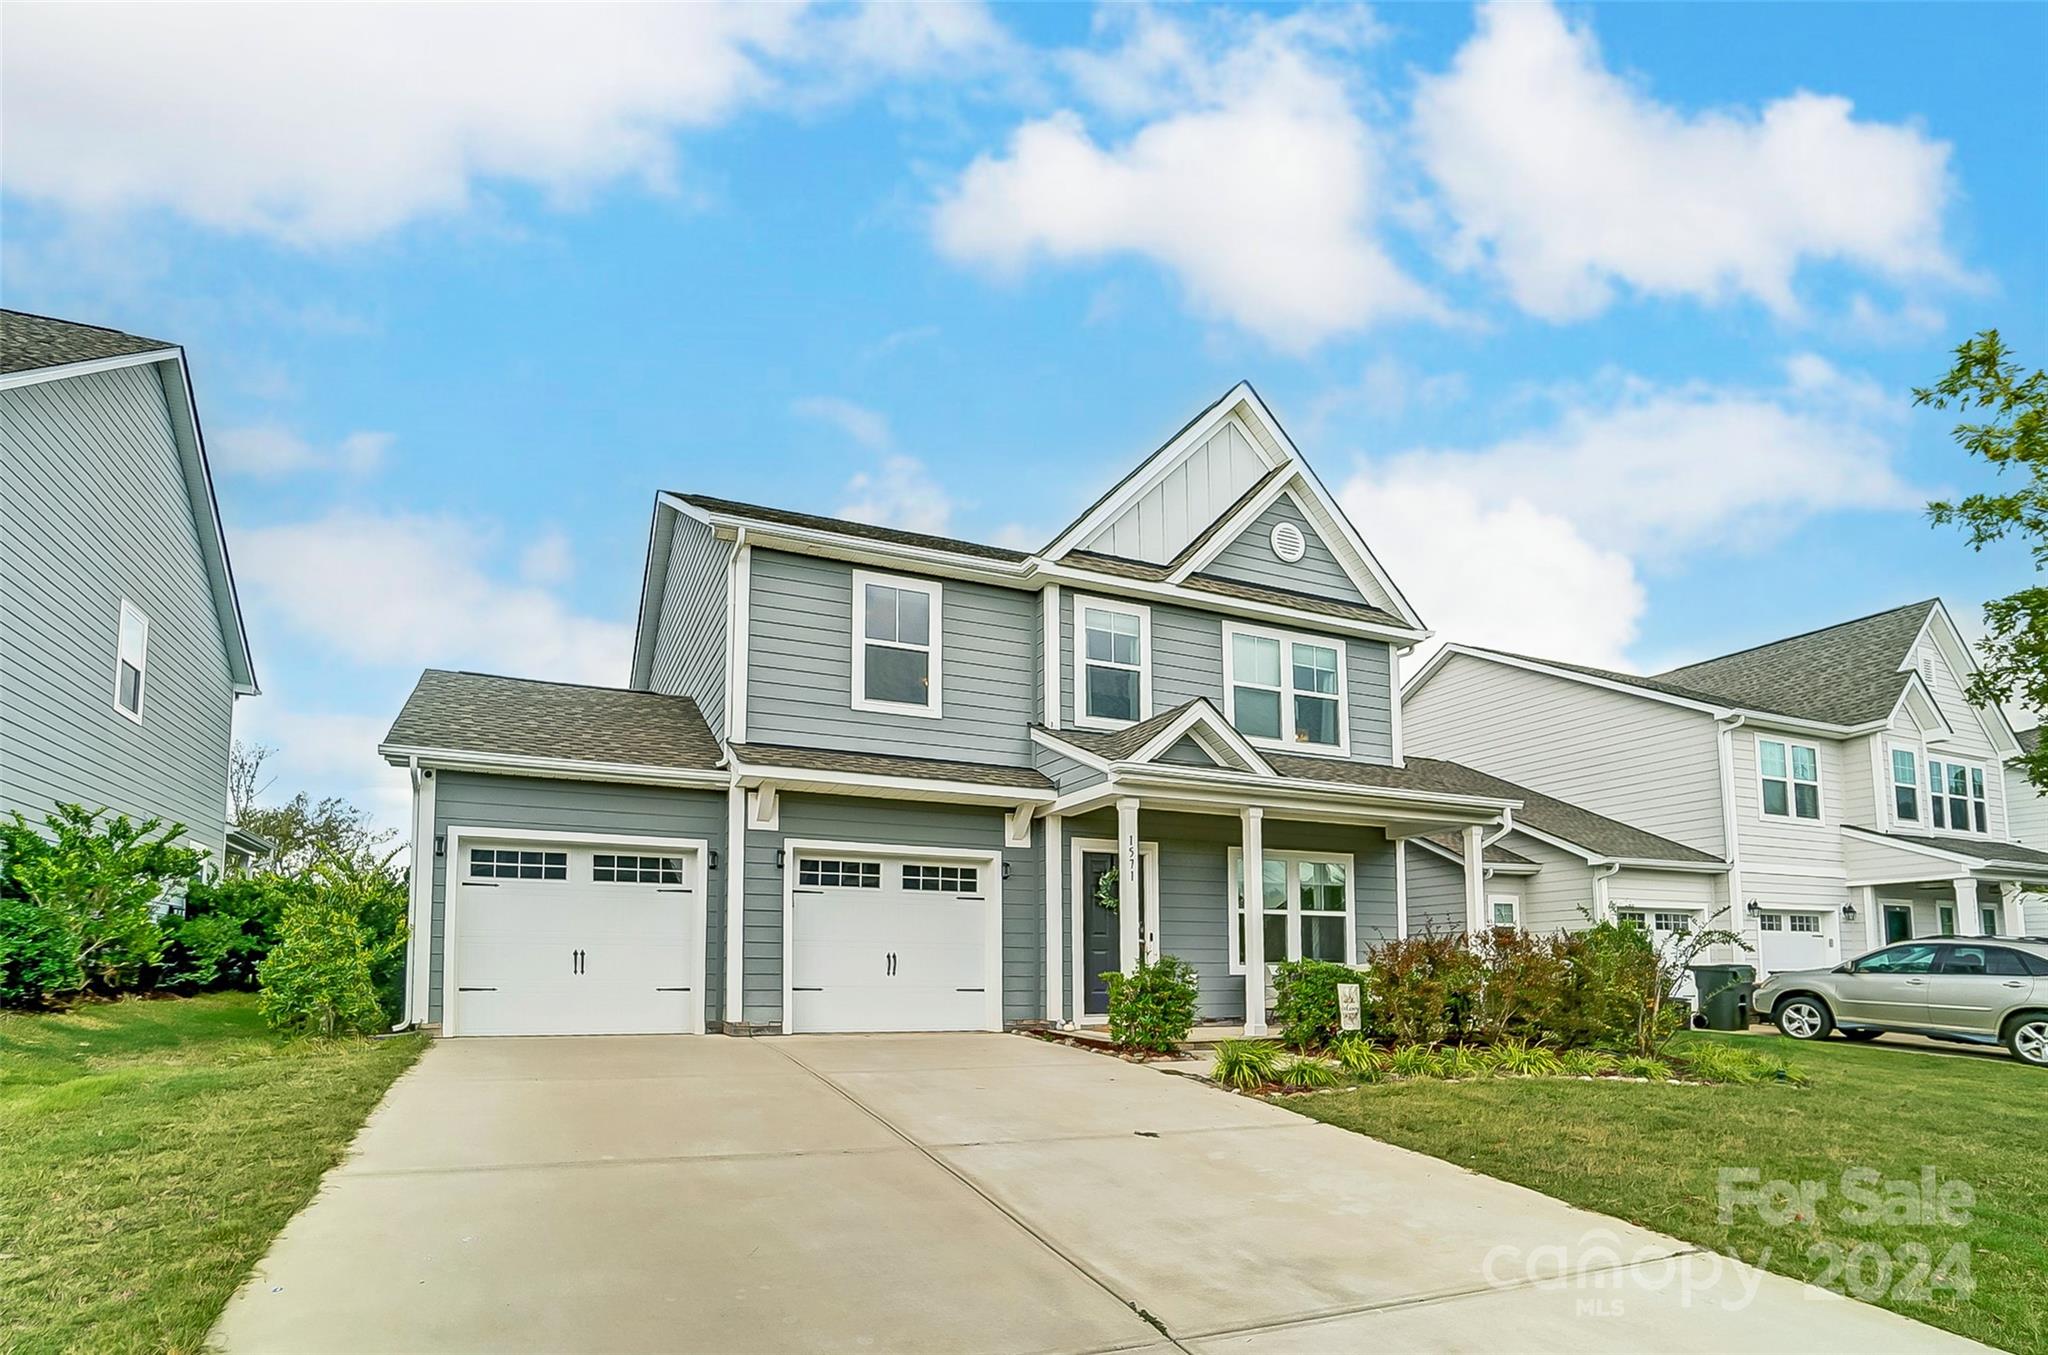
1914	887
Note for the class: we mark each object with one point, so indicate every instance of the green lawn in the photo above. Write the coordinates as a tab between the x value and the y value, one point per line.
1651	1154
149	1152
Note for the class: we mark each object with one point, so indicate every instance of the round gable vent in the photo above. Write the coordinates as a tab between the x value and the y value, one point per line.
1288	542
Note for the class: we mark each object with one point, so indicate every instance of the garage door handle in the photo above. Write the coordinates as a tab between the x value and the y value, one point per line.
671	891
460	989
671	990
970	990
801	989
481	884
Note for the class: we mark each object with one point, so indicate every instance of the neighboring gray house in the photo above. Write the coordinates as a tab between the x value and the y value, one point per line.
2026	810
121	642
1855	792
868	779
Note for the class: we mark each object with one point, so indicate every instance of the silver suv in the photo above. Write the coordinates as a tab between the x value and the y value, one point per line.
1974	989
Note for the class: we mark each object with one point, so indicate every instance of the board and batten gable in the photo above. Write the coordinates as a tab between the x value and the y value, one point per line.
1187	662
1968	741
1250	558
690	642
800	668
1647	763
96	511
1171	513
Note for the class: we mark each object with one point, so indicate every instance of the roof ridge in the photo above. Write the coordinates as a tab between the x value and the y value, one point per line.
700	500
83	324
554	682
1802	635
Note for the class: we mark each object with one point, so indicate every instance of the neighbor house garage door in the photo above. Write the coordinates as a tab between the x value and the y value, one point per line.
1794	941
885	943
559	938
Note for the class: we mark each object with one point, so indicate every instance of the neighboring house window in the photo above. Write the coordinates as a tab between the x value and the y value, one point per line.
942	879
486	863
840	874
1955	797
1905	785
608	868
132	662
896	629
1305	908
1790	776
1506	910
1113	669
1286	691
1945	917
1987	921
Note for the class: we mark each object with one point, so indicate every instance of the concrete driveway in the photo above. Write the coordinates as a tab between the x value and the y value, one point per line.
951	1193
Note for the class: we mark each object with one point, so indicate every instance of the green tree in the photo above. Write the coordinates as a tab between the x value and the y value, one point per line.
2006	413
303	829
340	951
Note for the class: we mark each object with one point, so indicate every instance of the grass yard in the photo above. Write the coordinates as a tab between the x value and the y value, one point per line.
149	1152
1651	1154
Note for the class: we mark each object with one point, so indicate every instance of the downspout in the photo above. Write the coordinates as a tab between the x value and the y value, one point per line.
1725	737
412	902
1603	910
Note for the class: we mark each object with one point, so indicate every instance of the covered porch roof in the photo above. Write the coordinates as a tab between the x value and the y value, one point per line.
1879	858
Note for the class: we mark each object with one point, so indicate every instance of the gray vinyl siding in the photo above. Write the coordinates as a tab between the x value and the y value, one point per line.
1194	855
1188	753
800	668
1559	897
1067	774
689	642
96	510
1803	843
1647	763
1250	558
2027	808
541	805
1436	892
898	824
1187	662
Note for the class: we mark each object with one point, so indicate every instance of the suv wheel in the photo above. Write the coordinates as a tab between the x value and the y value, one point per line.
2028	1040
1806	1018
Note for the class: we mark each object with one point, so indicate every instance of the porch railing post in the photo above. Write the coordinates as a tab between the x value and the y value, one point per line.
1254	903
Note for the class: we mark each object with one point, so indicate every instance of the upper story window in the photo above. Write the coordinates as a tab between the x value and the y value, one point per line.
1286	691
896	649
1790	777
1955	797
132	662
1905	785
1113	663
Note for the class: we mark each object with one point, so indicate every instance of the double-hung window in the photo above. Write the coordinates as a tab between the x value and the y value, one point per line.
1304	908
1286	691
1112	663
896	650
132	662
1905	785
1789	775
1955	797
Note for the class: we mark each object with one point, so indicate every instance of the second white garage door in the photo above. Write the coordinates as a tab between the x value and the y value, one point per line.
1794	941
883	943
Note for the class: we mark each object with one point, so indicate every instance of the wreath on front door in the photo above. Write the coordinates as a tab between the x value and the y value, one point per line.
1108	893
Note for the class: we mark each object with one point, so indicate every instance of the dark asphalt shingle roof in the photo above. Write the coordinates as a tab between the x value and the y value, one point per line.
882	764
1844	674
1981	849
846	527
31	342
1494	852
2030	739
519	717
1115	745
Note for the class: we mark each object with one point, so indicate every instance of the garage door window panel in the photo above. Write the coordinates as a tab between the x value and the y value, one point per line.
506	863
835	874
942	879
612	868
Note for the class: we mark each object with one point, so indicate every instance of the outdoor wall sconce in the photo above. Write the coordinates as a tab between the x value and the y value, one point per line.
714	859
778	858
1006	870
1753	908
1848	912
440	844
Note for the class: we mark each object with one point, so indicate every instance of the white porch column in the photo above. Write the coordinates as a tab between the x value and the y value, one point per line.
736	904
1966	906
1055	916
1873	918
2012	909
1130	935
1401	888
1254	920
1475	881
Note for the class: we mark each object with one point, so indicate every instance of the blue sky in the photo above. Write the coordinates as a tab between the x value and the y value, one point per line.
1600	319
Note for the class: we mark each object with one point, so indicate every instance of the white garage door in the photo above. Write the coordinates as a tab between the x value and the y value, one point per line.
1794	941
891	943
569	939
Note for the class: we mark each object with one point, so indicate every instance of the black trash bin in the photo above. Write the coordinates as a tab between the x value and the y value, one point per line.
1724	991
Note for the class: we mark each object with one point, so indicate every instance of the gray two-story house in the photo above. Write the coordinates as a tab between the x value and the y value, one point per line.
122	648
863	779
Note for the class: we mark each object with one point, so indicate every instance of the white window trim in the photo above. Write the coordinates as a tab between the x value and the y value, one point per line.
933	590
1082	719
1513	900
141	618
1287	639
1234	864
1791	815
1918	753
1927	765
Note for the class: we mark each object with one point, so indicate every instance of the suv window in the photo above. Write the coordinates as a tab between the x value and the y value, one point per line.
1898	960
1996	961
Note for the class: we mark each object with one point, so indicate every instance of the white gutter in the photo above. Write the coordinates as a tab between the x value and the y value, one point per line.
463	760
1601	906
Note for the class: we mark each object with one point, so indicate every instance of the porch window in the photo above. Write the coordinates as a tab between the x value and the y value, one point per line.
895	644
1987	921
1115	654
1304	906
1506	910
1286	691
1955	797
1789	774
1905	786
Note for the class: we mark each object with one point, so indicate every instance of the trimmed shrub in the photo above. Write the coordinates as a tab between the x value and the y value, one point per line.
1307	1073
316	979
1152	1007
1524	985
1424	989
38	957
1305	1000
1247	1065
229	926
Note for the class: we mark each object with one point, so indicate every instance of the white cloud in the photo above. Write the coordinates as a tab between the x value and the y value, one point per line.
1255	183
270	449
418	590
901	493
328	753
548	559
323	124
1571	180
868	427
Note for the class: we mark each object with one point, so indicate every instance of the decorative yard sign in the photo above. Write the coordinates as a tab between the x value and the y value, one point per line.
1349	1002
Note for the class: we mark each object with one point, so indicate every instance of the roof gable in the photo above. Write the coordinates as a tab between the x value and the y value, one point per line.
1194	726
31	343
1850	673
1251	556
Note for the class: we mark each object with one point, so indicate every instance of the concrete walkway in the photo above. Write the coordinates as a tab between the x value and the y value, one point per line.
951	1193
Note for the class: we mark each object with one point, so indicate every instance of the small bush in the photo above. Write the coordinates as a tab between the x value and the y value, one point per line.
1415	1060
1305	1000
1247	1065
1519	1058
1705	1061
1360	1058
1585	1063
229	926
1424	989
316	979
1308	1073
1524	985
1643	1066
1153	1007
38	957
1468	1061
